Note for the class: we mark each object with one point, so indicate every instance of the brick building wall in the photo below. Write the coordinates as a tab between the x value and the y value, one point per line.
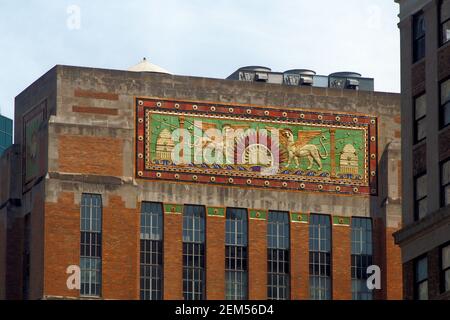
299	261
91	150
173	251
341	264
215	258
257	259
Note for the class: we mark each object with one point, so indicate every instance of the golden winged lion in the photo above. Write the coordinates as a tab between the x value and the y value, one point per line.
300	148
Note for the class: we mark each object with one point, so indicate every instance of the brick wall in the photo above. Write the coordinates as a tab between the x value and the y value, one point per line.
341	262
62	244
76	155
444	62
408	280
257	247
393	267
434	272
215	258
14	259
173	261
299	261
120	256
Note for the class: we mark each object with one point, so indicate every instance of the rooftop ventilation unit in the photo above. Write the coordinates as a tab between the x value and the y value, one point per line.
254	73
299	77
344	80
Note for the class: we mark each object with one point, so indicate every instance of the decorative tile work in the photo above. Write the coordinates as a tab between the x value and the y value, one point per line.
170	208
257	214
33	146
341	221
316	151
297	217
216	212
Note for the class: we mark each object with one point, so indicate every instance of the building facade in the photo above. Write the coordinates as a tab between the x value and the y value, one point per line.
425	62
5	133
172	187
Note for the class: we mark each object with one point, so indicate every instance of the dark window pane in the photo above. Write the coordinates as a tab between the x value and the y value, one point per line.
445	29
421	187
420	107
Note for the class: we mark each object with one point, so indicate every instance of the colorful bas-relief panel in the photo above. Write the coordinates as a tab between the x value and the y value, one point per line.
266	147
32	146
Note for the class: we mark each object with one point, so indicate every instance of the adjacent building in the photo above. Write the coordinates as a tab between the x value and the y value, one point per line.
5	133
266	185
425	63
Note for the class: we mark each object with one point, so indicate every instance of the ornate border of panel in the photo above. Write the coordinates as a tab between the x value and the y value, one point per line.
318	151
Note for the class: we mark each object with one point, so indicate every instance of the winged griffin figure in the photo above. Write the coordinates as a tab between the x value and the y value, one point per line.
300	148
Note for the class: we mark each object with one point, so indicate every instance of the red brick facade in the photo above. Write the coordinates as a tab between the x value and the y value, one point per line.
257	248
120	258
341	263
76	152
173	261
62	244
215	258
299	261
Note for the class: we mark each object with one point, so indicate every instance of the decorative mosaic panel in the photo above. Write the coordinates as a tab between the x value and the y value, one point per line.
254	146
299	217
216	212
33	146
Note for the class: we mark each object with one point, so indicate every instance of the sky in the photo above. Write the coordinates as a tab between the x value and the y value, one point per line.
202	38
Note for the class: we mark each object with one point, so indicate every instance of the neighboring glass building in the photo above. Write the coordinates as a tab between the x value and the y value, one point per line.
5	133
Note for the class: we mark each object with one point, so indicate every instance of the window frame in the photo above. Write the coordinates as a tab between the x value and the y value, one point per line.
442	270
416	38
442	104
366	256
243	273
193	248
276	251
417	283
441	25
149	243
96	259
417	201
422	118
443	186
327	255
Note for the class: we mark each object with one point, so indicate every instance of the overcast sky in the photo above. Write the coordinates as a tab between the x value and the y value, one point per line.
209	38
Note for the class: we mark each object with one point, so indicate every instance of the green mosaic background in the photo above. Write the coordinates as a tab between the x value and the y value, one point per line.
343	137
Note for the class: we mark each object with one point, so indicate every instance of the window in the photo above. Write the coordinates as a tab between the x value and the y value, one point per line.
421	279
444	18
445	103
361	257
151	251
445	258
194	252
420	194
445	183
278	255
236	272
91	245
420	113
418	37
320	257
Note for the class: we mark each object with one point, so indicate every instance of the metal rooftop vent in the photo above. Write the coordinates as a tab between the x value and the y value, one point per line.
254	73
344	80
296	77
